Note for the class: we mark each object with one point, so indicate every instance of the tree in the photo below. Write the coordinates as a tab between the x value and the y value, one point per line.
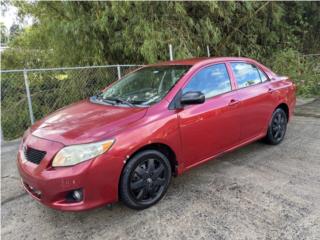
92	33
15	30
4	34
82	33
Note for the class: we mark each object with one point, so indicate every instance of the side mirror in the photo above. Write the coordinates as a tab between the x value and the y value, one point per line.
195	97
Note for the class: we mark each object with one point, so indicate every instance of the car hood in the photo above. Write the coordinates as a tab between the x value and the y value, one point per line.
85	122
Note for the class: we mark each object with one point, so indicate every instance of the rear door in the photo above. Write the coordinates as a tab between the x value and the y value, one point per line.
256	100
209	128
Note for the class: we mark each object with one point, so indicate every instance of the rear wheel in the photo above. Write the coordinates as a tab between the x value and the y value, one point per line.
277	127
145	179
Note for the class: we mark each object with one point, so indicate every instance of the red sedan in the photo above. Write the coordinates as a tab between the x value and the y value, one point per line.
157	122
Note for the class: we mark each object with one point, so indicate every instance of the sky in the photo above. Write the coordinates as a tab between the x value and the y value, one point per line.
8	17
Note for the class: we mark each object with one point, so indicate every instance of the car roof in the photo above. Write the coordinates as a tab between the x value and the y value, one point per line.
203	61
194	61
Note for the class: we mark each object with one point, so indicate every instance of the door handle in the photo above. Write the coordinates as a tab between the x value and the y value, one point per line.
233	102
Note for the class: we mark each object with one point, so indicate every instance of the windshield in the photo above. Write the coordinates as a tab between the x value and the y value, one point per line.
144	87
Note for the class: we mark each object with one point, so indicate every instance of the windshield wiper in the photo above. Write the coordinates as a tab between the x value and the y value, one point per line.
118	100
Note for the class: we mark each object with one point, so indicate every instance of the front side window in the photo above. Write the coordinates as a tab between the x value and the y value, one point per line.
211	81
246	74
144	87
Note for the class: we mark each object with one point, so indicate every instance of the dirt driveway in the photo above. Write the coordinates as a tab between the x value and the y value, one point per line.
257	192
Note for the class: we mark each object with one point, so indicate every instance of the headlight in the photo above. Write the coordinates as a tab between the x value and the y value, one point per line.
75	154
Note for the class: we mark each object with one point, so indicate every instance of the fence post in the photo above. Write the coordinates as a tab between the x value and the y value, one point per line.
2	138
170	52
208	51
26	83
119	71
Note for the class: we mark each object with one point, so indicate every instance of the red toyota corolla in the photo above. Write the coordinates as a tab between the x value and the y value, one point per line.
157	122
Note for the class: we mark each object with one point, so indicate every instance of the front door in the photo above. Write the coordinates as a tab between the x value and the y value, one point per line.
209	128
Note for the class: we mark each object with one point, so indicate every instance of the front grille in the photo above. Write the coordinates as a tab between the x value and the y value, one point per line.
33	155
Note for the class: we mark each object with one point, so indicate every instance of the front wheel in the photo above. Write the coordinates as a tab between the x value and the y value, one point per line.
145	179
277	127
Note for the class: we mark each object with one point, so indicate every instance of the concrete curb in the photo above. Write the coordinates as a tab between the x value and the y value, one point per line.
311	108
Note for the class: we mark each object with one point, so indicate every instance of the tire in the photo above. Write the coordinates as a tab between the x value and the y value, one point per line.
145	179
277	127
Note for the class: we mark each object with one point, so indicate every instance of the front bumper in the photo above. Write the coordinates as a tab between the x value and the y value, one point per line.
98	178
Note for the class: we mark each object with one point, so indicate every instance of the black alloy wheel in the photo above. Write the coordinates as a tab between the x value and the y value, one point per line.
277	127
145	179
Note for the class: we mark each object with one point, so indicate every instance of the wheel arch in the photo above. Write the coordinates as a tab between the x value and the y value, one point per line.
164	149
285	108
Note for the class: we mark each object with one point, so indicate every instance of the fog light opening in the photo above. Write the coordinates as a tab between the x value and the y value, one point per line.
75	196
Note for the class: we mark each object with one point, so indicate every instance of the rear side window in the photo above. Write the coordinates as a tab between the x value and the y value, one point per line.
263	76
211	81
247	74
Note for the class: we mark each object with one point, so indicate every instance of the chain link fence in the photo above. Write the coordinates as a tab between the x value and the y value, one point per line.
29	95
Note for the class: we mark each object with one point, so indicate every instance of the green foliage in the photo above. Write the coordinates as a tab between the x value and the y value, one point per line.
49	90
3	34
303	70
14	108
82	33
71	33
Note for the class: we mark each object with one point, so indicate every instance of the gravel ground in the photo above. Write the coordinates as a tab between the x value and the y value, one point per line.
256	192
